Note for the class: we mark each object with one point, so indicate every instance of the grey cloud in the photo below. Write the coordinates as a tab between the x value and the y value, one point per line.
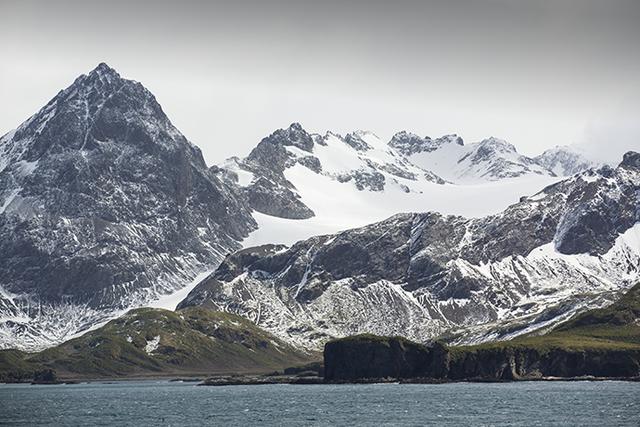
534	72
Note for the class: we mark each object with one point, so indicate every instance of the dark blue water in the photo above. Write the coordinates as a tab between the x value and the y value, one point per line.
184	404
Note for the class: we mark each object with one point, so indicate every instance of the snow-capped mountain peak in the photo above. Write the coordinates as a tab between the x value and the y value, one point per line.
294	135
104	72
104	205
491	159
495	145
82	116
101	77
565	160
292	160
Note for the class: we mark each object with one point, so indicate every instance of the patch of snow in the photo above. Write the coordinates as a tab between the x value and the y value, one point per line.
244	176
171	301
152	345
589	178
24	168
9	199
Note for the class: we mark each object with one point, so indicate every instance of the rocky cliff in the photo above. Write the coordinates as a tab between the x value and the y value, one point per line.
599	343
364	357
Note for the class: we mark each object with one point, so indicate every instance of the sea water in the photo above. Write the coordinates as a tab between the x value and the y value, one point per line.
137	403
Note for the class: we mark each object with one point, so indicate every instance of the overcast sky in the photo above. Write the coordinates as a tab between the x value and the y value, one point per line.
537	73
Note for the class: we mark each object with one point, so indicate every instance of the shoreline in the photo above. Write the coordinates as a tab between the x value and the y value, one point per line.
223	381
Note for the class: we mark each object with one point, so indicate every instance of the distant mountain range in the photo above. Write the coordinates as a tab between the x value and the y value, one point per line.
335	182
105	206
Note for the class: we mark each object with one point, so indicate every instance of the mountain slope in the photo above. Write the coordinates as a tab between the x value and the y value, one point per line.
159	342
574	245
303	184
104	206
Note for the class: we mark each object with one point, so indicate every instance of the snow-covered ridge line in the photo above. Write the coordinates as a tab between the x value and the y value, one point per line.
298	182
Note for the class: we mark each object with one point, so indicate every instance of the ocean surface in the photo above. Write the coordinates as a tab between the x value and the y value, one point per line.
185	404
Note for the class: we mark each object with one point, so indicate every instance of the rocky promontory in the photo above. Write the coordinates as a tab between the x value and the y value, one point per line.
602	343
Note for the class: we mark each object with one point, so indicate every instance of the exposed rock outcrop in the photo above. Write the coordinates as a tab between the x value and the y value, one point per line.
369	358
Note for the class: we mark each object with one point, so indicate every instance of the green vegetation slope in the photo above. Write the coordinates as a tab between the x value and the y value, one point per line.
156	342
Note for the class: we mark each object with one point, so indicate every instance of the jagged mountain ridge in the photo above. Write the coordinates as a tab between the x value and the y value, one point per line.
333	182
488	160
104	205
573	246
359	159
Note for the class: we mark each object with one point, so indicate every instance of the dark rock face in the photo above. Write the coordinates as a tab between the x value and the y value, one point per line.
522	363
409	143
427	273
600	211
269	198
236	263
271	193
363	358
631	161
366	357
45	376
294	135
372	181
356	142
105	204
